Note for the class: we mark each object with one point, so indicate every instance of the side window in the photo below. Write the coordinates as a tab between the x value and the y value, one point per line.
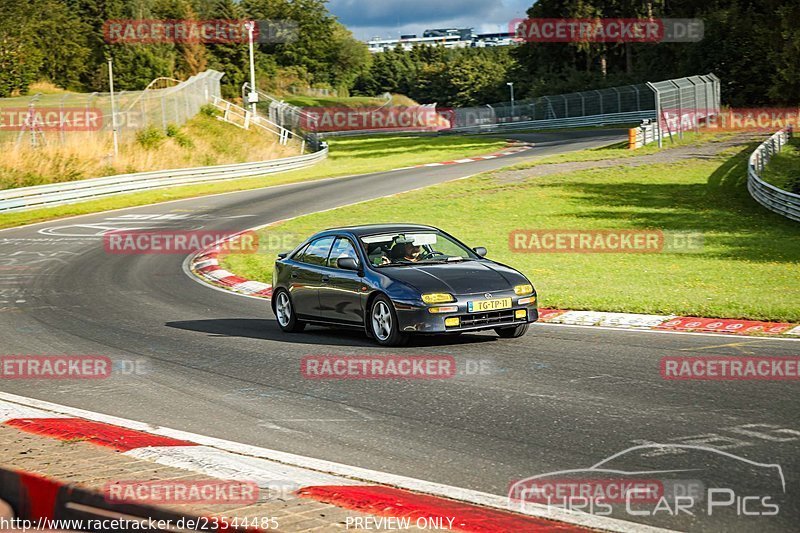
317	252
341	248
298	256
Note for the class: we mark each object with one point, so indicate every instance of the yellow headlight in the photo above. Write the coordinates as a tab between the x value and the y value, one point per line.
522	290
452	321
437	298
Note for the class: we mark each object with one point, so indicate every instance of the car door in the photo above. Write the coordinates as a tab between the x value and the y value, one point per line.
306	276
340	294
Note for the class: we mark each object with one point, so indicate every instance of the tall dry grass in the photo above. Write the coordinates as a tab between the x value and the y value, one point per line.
203	141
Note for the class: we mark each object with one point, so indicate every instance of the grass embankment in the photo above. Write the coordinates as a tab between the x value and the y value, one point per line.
748	266
202	141
348	156
783	169
348	101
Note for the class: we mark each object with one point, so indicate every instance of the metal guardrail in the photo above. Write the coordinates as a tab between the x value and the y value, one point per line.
244	118
573	122
776	200
77	191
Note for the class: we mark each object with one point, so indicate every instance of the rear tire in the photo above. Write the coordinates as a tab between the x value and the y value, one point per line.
383	324
512	332
284	312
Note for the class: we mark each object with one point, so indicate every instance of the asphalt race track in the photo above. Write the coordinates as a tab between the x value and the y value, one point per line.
216	364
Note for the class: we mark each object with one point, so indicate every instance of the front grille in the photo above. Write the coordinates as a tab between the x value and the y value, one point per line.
488	318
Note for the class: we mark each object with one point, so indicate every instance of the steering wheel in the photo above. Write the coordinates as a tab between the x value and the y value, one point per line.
432	253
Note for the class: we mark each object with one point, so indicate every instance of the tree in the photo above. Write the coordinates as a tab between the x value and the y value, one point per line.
40	39
231	58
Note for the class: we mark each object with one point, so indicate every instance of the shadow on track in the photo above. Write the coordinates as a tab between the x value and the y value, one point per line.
255	328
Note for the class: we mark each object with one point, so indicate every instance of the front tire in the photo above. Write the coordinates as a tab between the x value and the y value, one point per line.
512	332
383	323
284	313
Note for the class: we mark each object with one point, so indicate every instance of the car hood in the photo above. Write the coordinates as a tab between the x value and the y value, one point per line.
469	277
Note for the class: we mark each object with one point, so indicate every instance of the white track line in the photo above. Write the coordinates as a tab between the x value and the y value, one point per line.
226	465
346	471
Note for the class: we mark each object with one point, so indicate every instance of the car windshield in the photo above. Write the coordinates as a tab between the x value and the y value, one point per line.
396	249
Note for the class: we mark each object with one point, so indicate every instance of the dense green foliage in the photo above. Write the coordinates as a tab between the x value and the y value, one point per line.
752	45
451	77
63	41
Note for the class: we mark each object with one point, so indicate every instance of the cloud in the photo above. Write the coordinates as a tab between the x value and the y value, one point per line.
389	18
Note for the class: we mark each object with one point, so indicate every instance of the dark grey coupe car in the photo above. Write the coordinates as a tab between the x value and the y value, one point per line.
394	280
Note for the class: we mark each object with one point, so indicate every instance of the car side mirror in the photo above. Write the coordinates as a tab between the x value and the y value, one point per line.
283	255
480	250
347	263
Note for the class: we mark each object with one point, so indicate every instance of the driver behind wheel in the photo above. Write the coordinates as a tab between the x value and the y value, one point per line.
405	250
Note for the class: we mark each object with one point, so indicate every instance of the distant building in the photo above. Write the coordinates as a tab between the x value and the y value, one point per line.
465	34
447	37
494	39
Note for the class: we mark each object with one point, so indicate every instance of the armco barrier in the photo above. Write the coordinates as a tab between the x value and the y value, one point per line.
573	122
776	200
78	191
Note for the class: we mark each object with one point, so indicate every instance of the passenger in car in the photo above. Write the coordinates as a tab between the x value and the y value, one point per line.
377	253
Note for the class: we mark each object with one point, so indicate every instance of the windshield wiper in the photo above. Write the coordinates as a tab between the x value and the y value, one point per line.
395	264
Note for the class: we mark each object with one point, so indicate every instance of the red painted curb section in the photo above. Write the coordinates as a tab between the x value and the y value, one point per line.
118	438
388	501
546	314
725	325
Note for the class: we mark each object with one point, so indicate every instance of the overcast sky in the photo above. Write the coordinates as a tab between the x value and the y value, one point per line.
390	18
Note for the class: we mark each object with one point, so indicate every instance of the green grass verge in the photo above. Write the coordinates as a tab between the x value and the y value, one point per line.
783	169
352	155
321	101
749	266
621	150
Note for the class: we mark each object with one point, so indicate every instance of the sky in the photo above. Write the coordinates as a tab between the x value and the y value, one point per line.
390	18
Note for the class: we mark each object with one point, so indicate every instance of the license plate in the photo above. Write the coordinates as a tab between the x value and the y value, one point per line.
489	305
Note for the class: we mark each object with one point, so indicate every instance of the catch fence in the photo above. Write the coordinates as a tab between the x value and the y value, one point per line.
85	117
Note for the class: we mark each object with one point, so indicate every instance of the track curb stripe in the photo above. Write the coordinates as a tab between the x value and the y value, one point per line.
311	478
116	437
505	152
422	509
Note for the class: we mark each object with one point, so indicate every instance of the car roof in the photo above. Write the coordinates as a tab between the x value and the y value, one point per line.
372	229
